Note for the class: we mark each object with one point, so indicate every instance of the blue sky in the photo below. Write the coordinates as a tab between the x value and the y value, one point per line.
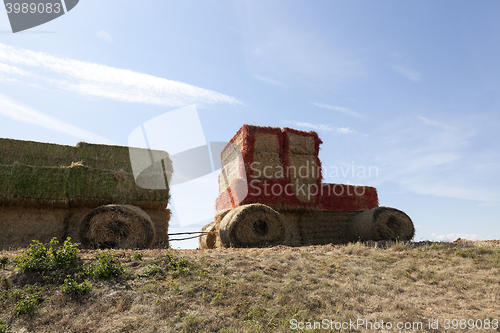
410	87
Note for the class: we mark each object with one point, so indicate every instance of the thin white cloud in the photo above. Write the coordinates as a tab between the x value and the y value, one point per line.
92	79
19	112
105	36
434	123
453	236
6	69
322	127
410	74
341	109
269	80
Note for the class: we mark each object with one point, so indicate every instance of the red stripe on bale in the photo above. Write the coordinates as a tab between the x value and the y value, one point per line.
348	197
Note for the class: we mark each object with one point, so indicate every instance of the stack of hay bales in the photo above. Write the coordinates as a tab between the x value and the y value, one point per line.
46	189
262	159
303	165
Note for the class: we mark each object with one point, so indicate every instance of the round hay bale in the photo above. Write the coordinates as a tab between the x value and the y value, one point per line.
207	241
251	226
117	226
381	223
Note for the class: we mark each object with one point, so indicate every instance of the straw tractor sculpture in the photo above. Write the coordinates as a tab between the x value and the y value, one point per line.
87	192
271	193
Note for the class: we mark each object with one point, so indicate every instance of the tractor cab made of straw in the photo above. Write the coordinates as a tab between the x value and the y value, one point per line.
271	192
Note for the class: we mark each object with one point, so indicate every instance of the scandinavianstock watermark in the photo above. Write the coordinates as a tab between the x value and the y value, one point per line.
431	324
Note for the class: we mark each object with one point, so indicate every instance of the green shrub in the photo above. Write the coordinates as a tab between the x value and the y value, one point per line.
38	258
151	271
73	288
27	304
106	266
4	261
136	256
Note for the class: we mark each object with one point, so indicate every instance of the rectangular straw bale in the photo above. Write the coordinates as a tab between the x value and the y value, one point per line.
303	166
300	144
73	183
345	197
305	189
43	183
230	172
35	153
103	156
324	227
116	187
267	143
267	165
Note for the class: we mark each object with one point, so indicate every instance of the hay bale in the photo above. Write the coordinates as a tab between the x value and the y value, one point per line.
117	226
381	223
72	186
251	226
318	227
207	241
301	142
267	143
35	153
303	166
346	197
267	165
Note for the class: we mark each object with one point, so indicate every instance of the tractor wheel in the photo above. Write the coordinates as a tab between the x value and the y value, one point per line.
207	241
381	223
117	226
252	226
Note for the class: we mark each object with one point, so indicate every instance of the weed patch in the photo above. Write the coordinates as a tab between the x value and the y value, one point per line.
73	288
106	266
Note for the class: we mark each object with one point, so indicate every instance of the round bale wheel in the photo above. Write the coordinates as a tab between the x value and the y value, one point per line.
207	241
381	223
252	226
117	226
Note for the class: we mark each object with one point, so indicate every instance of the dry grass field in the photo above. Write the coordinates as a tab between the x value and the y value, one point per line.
279	289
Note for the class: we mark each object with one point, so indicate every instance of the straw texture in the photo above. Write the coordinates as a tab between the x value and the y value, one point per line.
117	226
252	226
381	223
207	241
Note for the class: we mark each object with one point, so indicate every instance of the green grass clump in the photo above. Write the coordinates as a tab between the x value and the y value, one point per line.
27	304
137	256
175	264
73	288
152	271
37	258
106	266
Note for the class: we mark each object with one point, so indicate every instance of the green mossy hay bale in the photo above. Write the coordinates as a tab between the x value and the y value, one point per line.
252	226
381	223
77	185
35	153
117	226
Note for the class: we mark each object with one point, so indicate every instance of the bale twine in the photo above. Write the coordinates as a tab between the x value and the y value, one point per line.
117	226
251	226
381	223
207	241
